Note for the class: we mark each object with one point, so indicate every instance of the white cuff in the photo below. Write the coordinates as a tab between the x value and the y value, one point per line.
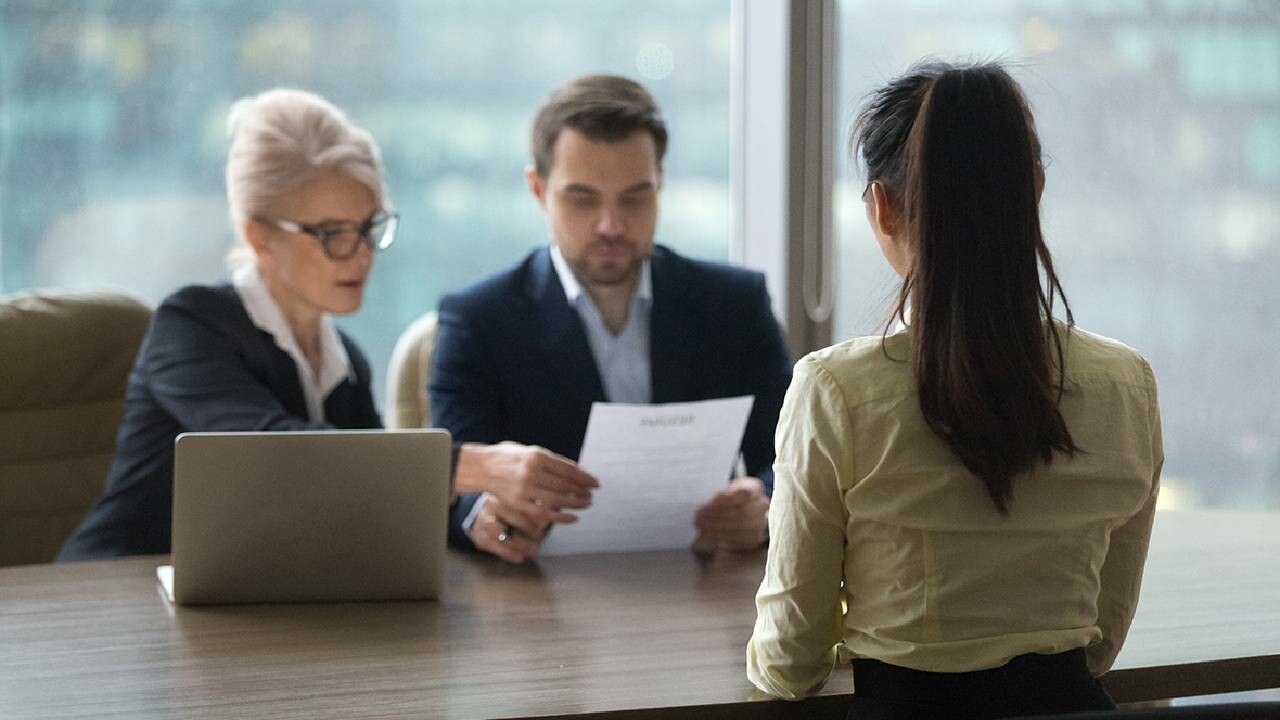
470	519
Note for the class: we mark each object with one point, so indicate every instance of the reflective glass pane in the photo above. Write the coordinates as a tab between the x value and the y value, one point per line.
112	136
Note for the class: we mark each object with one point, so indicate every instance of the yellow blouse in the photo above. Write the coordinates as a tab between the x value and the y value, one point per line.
882	545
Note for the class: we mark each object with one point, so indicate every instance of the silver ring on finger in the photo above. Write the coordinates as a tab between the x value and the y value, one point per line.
505	534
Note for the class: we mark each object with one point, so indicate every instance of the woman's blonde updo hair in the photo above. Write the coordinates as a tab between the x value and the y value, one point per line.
280	139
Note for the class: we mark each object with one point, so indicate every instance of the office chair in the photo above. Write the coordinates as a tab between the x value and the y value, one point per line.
65	360
408	400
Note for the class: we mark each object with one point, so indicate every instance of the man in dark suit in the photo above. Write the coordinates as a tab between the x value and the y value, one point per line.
602	314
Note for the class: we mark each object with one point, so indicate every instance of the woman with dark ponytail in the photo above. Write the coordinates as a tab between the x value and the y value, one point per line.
962	506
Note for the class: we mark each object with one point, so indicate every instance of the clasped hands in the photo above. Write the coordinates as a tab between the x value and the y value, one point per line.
526	489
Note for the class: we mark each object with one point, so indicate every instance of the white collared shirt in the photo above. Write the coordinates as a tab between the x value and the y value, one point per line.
622	359
335	364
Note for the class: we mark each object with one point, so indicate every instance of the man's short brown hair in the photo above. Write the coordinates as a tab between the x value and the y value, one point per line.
605	108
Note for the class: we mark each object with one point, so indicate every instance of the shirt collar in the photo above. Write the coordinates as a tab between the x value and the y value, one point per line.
903	322
335	364
573	288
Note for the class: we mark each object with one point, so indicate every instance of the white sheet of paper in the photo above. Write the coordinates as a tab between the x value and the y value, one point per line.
656	464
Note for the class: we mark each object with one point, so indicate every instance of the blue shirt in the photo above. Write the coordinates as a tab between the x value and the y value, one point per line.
622	359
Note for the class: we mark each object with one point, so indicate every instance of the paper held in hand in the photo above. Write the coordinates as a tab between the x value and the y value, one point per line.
656	464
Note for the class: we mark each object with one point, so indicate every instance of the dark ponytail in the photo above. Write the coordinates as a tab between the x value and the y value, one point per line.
956	151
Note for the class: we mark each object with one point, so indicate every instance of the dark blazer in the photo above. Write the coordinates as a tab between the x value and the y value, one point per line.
203	366
512	361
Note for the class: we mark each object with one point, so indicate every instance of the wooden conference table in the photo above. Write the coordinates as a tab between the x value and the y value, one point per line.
606	636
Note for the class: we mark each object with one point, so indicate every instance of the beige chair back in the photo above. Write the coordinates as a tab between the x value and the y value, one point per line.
64	362
408	401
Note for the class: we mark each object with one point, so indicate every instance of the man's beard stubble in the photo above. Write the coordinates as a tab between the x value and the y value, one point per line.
609	275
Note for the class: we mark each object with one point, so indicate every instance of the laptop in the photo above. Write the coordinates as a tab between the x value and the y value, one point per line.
313	516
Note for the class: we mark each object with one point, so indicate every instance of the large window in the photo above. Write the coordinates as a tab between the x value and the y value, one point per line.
1161	123
112	138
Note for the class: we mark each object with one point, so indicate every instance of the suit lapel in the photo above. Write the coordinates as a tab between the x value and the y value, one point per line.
281	370
672	326
561	337
284	371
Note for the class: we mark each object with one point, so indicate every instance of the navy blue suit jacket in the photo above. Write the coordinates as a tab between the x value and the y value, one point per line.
512	360
203	366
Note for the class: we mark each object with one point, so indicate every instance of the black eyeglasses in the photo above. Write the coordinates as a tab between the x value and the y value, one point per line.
342	240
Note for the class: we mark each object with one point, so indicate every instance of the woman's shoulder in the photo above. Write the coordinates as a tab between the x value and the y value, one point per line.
855	353
865	368
215	308
202	298
1090	357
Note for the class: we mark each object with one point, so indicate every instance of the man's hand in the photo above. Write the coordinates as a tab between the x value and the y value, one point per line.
534	485
495	530
736	518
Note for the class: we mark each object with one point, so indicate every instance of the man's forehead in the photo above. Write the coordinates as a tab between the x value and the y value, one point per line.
571	186
617	166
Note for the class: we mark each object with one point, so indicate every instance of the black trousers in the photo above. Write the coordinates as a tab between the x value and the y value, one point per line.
1027	685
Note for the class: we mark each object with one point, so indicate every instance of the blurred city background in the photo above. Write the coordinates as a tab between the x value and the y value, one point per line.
1160	121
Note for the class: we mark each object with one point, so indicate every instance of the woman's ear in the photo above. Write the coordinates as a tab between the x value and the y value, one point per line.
256	236
883	214
884	220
